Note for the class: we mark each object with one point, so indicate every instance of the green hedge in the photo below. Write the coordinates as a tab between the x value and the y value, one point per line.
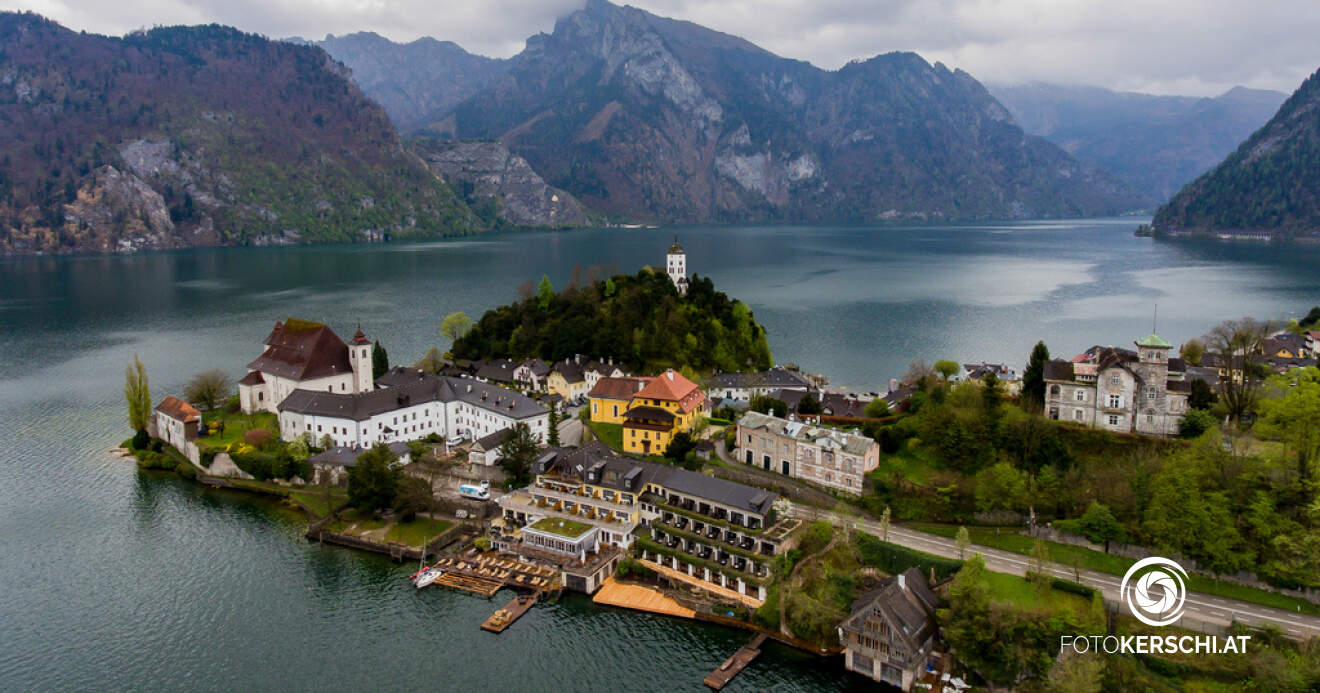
1072	587
894	559
1068	526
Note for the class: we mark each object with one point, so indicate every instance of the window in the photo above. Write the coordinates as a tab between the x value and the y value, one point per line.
1077	414
1115	401
1151	393
1113	419
1115	379
1080	395
1150	418
1054	413
1054	390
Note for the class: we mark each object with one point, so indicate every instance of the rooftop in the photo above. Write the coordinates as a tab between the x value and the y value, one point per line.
1154	340
303	350
671	386
404	387
569	529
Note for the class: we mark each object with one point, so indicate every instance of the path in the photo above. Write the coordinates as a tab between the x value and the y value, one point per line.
570	432
1208	608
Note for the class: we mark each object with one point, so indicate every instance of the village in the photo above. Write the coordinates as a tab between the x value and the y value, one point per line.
731	497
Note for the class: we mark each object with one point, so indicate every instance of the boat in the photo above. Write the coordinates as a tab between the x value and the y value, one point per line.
428	577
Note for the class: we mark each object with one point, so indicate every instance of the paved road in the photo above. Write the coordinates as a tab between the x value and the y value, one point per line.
570	432
1201	606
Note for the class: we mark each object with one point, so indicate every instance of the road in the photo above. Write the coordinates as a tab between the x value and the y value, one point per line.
570	431
1205	607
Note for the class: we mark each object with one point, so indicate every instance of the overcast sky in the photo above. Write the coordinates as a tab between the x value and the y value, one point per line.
1199	47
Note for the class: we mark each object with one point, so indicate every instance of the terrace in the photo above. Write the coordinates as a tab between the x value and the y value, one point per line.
568	529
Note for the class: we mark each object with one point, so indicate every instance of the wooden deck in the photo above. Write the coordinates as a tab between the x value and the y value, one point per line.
723	592
500	570
640	598
467	583
734	665
505	617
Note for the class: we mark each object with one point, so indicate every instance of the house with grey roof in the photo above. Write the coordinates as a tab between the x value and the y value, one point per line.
408	404
1120	390
803	450
332	464
892	636
744	386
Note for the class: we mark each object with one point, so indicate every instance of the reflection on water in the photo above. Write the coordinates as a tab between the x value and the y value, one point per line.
121	580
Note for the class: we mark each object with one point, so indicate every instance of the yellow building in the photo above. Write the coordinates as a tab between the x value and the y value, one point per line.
669	404
611	397
567	380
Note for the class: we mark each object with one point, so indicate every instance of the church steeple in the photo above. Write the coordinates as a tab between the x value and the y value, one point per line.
676	266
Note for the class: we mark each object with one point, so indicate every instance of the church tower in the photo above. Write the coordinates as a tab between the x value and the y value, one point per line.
676	265
359	356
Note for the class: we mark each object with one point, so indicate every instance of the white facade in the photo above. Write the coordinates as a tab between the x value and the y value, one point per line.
448	419
268	395
676	267
171	430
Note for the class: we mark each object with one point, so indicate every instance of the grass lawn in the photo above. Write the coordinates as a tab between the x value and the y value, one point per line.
1011	589
610	434
1007	539
236	425
417	532
570	529
316	501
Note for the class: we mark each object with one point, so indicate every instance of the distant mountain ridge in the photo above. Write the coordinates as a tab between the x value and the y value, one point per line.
1271	182
652	119
417	83
1156	144
183	136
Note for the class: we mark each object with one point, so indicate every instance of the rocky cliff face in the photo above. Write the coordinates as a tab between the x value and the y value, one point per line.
1272	181
196	135
654	119
489	171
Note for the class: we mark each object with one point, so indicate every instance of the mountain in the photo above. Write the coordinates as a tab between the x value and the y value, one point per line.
499	185
1272	181
652	119
418	82
204	135
1156	144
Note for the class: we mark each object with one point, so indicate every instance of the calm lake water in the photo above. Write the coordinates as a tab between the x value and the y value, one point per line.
121	580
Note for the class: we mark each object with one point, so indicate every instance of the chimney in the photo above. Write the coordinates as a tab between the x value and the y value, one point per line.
893	384
902	582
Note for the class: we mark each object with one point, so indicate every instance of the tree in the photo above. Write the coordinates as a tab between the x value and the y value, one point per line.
947	369
877	408
1033	378
1099	525
766	404
1192	350
963	540
884	524
552	438
1037	570
455	325
809	405
919	374
1195	422
138	393
414	496
432	361
1232	342
517	454
380	361
373	482
1203	396
1291	413
1076	674
545	293
679	446
1001	487
207	389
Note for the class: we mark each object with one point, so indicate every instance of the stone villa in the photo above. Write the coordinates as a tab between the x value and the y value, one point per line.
819	454
1120	390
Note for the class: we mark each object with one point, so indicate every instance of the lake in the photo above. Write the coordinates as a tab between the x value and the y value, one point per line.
125	580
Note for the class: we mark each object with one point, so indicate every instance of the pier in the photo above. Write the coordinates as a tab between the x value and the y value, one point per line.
505	617
475	585
734	665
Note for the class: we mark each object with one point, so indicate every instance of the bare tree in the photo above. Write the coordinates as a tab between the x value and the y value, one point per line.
1232	343
207	389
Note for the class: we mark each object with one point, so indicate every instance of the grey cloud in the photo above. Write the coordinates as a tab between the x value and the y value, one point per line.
1175	46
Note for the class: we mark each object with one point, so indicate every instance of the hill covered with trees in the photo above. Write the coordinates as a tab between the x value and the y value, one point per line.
1272	181
182	136
639	320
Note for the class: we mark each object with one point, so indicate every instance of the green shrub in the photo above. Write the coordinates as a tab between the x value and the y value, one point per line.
482	543
1072	587
231	405
1070	526
140	440
894	559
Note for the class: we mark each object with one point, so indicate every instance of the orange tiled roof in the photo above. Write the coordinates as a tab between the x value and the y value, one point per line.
178	409
671	386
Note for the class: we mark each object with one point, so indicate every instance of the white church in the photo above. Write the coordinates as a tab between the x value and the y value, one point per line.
676	266
319	386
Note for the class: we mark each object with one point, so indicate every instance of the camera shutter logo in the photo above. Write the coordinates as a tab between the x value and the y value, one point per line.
1155	590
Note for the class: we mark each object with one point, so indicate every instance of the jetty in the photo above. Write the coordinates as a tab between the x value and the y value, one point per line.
734	665
467	583
505	617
